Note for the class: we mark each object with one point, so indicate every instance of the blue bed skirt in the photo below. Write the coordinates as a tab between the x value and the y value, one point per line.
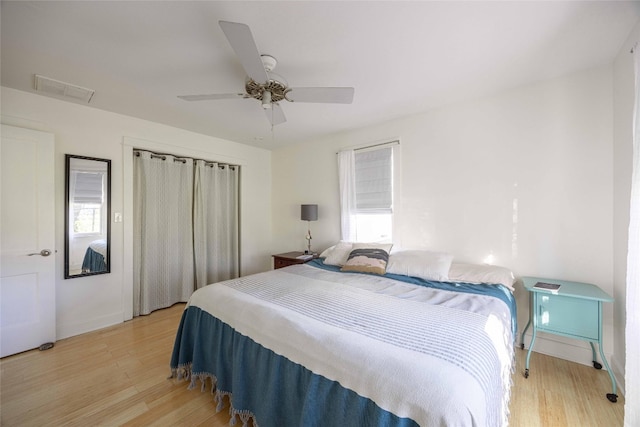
273	390
93	262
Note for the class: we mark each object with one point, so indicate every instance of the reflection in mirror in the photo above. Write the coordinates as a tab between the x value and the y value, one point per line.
87	213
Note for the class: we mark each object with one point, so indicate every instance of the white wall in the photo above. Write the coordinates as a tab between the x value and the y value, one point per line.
84	304
524	175
623	95
548	146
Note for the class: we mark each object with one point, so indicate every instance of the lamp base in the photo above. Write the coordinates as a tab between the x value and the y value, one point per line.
308	237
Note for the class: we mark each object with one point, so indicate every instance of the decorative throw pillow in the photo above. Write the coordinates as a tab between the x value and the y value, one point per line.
425	265
384	246
339	255
368	260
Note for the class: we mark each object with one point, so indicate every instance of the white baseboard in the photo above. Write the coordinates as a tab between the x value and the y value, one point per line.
572	350
72	329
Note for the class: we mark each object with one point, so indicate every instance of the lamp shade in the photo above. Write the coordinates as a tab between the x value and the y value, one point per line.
309	212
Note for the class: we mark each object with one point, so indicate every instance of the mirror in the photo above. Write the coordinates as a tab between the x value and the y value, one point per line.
87	240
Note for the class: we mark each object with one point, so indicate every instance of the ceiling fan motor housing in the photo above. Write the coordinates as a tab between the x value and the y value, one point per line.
256	90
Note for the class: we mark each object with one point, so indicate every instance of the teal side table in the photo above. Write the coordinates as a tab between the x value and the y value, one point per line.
574	311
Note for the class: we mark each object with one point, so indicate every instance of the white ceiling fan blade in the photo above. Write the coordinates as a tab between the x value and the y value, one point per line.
212	96
275	115
334	95
243	44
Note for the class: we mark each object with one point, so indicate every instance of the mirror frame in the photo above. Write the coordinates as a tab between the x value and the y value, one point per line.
68	158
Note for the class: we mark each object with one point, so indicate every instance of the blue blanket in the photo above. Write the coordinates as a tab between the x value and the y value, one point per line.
278	392
93	262
466	378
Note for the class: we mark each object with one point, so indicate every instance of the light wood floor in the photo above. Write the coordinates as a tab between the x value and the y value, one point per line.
118	376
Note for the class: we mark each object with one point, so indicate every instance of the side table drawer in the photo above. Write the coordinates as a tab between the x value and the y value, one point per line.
281	262
289	258
566	315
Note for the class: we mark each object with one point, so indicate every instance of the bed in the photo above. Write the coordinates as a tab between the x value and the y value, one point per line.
95	257
315	345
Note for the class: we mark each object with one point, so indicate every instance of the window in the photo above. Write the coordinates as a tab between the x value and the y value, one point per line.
366	185
374	194
88	202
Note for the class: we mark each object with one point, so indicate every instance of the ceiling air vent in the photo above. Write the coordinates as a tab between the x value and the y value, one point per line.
62	89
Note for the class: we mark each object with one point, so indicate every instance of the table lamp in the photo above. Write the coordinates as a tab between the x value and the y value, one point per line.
308	213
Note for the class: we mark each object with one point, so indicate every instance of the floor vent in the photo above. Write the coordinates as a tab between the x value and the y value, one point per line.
62	89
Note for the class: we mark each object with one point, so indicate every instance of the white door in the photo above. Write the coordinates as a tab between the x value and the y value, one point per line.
27	240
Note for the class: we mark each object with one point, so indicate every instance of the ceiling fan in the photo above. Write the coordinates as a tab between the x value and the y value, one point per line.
263	84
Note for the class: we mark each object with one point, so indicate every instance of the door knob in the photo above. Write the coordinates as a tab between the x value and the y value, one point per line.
44	252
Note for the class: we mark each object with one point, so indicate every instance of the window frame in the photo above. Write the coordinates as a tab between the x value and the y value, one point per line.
354	234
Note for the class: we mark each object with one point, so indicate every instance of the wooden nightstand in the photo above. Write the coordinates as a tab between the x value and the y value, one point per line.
289	258
574	310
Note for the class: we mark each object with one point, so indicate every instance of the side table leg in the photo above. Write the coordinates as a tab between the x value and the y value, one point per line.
528	323
594	358
613	397
524	332
526	366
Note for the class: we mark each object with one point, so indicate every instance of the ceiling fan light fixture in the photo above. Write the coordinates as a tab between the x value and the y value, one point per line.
266	99
269	62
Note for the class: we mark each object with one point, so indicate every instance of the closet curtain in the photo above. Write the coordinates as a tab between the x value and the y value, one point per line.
632	329
163	231
215	213
185	228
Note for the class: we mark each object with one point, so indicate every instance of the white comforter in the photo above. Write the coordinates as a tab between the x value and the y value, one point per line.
437	357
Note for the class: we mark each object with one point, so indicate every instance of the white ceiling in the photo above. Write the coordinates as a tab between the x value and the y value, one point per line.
402	57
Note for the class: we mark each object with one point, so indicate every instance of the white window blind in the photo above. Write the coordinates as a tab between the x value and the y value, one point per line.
88	188
374	180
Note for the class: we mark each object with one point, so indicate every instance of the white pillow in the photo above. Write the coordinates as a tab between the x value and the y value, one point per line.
339	254
425	265
476	273
327	251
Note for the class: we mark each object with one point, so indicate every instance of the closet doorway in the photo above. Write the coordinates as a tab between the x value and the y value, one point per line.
185	227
